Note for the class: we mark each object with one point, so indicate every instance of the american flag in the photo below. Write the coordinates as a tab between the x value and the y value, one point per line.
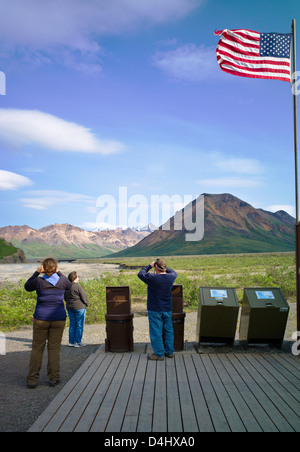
258	55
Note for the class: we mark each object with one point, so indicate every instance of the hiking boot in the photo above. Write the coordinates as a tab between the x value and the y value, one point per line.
154	357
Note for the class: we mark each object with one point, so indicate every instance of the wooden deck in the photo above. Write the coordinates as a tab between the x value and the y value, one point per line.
191	393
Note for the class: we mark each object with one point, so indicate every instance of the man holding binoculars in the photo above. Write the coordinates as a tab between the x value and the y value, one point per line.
159	305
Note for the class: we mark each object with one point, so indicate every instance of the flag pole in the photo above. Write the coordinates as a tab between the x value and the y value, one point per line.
296	175
295	121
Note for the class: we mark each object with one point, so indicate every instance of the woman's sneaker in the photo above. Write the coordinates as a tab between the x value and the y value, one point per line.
80	345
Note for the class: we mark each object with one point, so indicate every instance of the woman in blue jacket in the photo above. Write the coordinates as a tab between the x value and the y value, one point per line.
49	320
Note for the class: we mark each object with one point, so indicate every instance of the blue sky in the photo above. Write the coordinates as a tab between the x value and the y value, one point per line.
128	93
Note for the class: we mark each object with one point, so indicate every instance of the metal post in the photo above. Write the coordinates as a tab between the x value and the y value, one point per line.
297	229
295	122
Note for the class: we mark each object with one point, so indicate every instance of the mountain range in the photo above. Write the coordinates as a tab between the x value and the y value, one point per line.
231	226
65	241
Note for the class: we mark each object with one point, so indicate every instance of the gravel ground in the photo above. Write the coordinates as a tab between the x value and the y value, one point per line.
20	407
14	272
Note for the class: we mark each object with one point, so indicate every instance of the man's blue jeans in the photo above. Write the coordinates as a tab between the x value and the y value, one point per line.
159	323
77	319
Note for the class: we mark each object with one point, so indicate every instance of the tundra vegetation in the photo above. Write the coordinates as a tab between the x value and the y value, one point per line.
238	271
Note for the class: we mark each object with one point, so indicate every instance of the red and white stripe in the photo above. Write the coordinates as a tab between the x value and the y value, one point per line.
238	53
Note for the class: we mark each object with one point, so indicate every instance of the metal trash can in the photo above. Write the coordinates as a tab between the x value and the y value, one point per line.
118	300
178	317
217	315
119	320
264	316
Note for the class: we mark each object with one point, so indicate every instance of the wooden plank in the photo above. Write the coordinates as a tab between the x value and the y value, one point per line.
173	401
91	410
189	420
50	411
215	409
239	402
118	412
60	415
268	398
205	424
146	410
224	392
248	398
160	399
286	379
287	364
293	360
84	399
231	414
104	412
133	407
281	398
250	392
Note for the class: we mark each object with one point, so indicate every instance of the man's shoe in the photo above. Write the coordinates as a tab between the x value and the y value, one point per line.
53	384
154	357
169	356
31	386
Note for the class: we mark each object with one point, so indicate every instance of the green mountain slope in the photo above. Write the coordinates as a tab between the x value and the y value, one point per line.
10	253
231	226
6	249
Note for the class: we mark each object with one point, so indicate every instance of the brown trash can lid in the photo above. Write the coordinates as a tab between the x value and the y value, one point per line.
110	317
177	315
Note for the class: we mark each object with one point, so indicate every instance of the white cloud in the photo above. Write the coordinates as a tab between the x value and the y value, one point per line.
23	127
37	27
188	63
238	165
286	207
12	181
226	184
44	199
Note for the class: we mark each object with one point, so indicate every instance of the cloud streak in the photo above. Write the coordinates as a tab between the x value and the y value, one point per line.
188	63
12	181
27	127
229	183
237	165
45	199
45	29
